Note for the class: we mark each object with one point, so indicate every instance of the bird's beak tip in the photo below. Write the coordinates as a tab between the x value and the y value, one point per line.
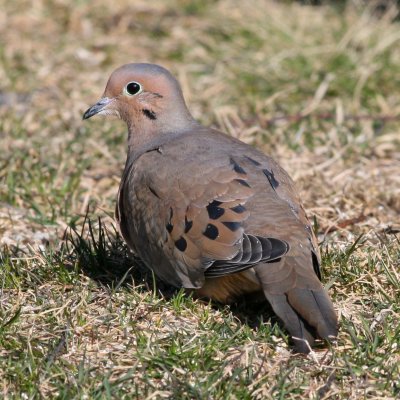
96	108
86	115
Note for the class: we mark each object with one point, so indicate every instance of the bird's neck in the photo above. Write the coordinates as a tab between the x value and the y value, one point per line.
147	134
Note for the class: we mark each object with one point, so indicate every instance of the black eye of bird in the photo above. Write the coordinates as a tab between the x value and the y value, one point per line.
133	88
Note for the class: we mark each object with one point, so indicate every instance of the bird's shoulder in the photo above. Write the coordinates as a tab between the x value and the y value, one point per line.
203	155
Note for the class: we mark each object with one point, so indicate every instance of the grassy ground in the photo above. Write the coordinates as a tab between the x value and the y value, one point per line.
316	87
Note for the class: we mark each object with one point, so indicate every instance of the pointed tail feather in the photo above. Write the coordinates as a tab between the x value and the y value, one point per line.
317	309
302	337
306	311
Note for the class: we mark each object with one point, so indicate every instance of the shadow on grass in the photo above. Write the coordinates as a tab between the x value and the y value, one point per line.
101	254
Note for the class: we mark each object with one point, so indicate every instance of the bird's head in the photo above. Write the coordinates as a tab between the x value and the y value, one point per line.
146	96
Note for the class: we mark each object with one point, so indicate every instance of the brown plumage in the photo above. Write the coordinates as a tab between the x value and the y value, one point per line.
208	212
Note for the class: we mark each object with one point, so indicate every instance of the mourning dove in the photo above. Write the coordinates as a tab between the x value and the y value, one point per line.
210	213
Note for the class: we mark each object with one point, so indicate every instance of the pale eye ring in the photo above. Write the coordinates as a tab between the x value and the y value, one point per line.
133	88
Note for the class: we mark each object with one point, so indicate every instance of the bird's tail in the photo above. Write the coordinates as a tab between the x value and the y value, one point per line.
298	298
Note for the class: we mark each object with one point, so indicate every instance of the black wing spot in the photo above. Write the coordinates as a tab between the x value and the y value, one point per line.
181	244
214	211
239	209
242	182
271	178
188	225
233	226
253	161
236	167
211	232
149	114
169	225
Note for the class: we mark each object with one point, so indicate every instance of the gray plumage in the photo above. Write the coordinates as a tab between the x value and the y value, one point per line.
210	213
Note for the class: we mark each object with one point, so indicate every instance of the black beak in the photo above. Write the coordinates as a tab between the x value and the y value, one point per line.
96	108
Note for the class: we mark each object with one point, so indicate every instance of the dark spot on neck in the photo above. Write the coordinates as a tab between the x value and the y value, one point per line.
157	149
157	95
149	114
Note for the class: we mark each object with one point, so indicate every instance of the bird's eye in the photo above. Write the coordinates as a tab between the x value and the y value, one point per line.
133	88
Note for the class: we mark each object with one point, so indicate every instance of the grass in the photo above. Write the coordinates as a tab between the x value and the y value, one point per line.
316	87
